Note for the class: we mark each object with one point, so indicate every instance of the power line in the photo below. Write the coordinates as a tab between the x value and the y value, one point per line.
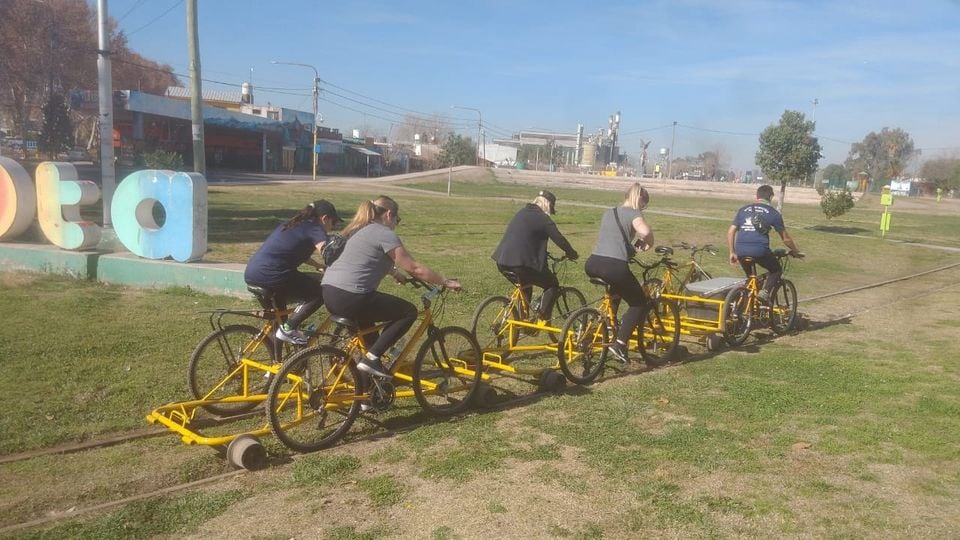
155	19
647	129
719	131
129	11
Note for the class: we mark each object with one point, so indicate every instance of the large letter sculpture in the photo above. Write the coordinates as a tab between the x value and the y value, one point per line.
59	196
183	197
18	201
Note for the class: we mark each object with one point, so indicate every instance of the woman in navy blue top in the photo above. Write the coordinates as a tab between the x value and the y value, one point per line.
274	265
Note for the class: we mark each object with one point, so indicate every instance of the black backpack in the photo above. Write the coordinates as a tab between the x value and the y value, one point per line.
332	249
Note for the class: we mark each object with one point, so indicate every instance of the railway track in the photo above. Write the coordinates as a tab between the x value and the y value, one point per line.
144	433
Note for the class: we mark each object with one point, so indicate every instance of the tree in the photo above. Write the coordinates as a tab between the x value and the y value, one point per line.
836	202
47	45
542	154
788	150
430	129
51	46
57	132
458	150
883	156
132	71
943	172
836	172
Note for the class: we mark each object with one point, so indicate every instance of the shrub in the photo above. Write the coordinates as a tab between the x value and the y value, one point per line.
836	203
161	159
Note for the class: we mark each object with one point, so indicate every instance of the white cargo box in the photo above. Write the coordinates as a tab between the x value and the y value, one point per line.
714	289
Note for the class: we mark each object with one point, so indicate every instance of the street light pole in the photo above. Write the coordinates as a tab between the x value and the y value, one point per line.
479	129
316	96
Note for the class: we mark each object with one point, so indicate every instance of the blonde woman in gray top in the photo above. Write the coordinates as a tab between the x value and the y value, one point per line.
373	250
623	230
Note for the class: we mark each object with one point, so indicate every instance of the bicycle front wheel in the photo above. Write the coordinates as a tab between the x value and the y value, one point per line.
659	334
213	372
783	307
582	350
314	399
490	325
446	373
653	287
736	316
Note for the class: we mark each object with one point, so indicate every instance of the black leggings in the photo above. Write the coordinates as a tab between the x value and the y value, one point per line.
544	279
771	264
370	308
622	282
300	287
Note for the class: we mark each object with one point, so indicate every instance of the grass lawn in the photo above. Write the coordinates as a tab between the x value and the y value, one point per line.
845	429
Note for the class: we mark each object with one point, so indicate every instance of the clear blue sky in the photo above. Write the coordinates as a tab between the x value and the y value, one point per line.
724	70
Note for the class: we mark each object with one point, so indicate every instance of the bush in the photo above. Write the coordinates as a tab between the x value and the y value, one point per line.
836	203
161	159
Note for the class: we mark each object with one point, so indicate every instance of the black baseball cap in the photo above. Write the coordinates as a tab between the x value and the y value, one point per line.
551	198
323	207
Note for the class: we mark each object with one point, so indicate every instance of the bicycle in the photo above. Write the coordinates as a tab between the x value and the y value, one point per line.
318	392
672	279
743	308
219	371
588	333
498	321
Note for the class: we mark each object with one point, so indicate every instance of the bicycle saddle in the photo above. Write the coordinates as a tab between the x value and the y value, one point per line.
345	321
664	250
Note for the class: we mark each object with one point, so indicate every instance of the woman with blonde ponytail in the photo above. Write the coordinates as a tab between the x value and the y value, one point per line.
373	250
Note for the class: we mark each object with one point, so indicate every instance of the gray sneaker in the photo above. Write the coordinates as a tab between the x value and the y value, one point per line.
293	336
619	352
764	296
373	367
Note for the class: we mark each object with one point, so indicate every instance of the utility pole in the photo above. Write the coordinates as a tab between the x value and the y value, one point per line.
673	139
196	91
105	91
316	112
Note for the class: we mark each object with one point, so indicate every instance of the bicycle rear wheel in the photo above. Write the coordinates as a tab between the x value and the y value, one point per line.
582	349
736	316
212	373
314	399
446	373
783	307
569	300
490	325
659	333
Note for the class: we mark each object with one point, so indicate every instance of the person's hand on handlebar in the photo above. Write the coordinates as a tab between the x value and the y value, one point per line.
572	255
453	284
641	245
797	254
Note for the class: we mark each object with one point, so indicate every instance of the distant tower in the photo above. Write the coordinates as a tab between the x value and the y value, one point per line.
246	93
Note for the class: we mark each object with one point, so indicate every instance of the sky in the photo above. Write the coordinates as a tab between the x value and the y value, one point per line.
722	70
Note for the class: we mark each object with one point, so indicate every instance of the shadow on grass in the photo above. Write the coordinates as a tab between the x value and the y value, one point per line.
838	229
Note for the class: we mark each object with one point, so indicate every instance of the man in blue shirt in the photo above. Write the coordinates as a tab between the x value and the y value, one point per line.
749	236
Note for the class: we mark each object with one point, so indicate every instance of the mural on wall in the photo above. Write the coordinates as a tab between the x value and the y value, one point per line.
59	195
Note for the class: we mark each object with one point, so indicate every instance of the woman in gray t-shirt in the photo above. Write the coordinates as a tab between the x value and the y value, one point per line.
373	250
610	260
